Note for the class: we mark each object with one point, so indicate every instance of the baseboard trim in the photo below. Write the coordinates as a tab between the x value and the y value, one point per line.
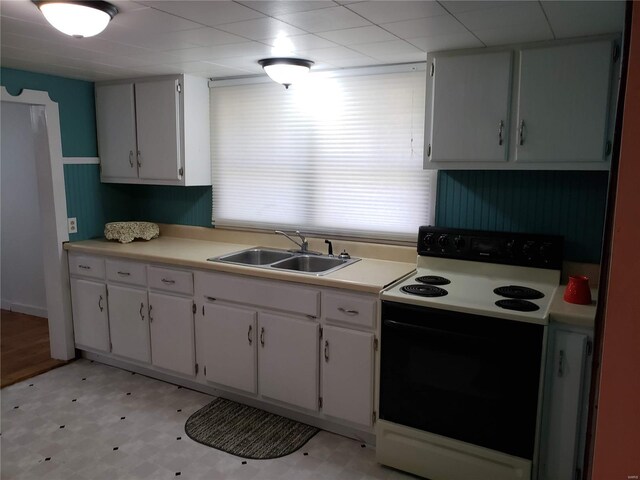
26	309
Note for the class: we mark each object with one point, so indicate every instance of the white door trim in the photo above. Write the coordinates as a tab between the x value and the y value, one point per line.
45	120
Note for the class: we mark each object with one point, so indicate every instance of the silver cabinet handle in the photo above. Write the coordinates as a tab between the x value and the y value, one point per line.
141	314
561	364
150	317
124	274
84	267
249	336
139	158
131	158
326	350
100	303
168	282
348	312
262	336
211	299
500	131
521	133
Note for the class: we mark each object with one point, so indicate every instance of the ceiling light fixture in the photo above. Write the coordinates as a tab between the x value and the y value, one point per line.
286	70
77	18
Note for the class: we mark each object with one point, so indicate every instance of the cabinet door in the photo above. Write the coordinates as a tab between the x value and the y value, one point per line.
129	323
116	125
563	409
90	314
347	374
172	335
158	123
563	103
230	346
469	115
288	360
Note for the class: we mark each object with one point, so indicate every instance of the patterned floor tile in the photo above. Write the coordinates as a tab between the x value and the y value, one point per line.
89	421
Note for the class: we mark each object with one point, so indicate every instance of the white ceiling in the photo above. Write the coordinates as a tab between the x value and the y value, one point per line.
217	38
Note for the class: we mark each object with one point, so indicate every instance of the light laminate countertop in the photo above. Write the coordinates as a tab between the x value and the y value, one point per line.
570	313
368	275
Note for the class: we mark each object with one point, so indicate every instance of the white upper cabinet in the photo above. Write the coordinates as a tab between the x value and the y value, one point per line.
116	123
154	131
158	122
563	103
470	97
534	107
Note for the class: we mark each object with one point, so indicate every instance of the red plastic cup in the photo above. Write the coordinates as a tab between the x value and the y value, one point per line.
578	290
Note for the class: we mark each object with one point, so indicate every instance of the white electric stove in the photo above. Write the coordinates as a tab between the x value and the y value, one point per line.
462	355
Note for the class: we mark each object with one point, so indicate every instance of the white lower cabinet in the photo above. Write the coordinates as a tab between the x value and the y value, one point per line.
90	314
228	346
172	333
565	405
129	323
288	360
347	374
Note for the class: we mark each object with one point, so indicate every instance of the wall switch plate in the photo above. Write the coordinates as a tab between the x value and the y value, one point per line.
72	224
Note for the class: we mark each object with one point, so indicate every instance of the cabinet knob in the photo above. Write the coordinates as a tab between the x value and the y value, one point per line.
139	159
326	350
150	317
500	131
141	314
249	336
100	303
131	158
348	312
262	336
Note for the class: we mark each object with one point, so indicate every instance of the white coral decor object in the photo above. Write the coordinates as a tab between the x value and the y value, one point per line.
126	232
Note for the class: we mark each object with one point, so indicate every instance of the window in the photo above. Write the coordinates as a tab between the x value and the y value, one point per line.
338	154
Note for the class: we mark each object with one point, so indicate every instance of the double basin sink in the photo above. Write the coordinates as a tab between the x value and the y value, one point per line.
299	262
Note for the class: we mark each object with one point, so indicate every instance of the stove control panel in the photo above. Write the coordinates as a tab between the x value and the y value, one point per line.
528	250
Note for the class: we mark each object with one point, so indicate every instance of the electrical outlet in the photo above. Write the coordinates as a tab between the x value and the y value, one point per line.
73	224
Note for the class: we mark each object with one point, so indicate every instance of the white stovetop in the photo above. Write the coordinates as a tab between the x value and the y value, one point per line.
472	284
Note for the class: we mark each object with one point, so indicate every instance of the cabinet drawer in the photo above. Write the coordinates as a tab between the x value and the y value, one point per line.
86	266
349	309
127	272
176	281
272	294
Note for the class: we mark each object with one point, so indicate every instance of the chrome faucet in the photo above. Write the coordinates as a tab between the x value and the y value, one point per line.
303	244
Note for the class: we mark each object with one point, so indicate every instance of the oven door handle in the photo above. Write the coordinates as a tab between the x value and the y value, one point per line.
437	331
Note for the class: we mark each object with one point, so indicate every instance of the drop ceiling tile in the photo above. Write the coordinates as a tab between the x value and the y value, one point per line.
393	11
21	27
387	49
208	36
426	27
508	15
573	19
326	19
446	42
152	21
198	37
299	43
247	64
246	49
460	6
353	62
207	69
284	7
261	28
22	10
358	35
124	6
211	13
515	34
331	55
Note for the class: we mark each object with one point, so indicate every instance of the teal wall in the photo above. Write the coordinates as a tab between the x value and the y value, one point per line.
75	102
571	204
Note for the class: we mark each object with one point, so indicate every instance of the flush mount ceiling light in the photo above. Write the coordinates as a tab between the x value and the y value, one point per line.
286	70
76	18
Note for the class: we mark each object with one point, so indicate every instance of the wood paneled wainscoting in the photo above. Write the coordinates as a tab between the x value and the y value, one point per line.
25	347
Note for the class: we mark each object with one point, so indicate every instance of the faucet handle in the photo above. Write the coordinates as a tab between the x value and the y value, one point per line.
330	252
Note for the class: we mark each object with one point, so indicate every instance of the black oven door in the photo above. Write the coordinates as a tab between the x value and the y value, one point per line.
467	377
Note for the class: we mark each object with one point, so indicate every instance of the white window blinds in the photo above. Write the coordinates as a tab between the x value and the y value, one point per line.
335	155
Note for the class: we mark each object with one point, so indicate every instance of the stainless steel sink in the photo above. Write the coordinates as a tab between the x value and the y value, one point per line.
310	263
284	260
254	256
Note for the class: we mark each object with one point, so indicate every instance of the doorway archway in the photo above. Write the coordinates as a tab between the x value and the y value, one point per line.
45	121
